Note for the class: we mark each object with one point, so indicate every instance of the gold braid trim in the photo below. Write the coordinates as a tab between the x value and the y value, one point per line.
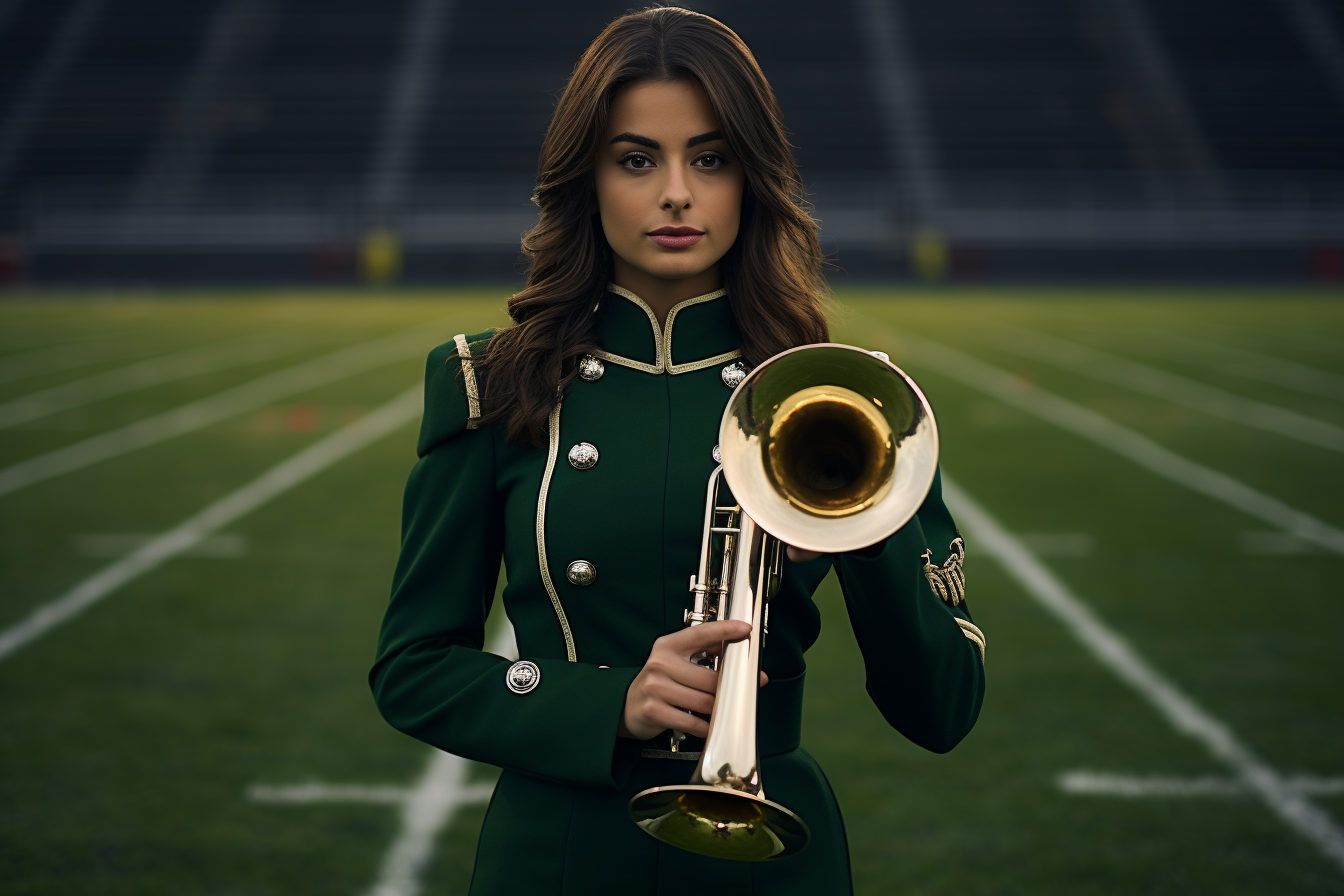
973	634
554	449
469	380
949	580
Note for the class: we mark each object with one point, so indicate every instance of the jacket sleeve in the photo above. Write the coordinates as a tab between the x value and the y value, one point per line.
432	679
925	670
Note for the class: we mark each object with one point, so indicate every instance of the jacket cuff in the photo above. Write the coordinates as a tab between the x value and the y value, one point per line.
587	702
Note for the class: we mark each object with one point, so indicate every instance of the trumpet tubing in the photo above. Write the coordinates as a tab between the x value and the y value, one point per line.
827	448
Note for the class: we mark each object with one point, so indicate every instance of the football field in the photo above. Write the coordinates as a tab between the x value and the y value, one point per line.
199	511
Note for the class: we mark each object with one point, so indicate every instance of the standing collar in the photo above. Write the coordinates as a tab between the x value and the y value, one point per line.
705	332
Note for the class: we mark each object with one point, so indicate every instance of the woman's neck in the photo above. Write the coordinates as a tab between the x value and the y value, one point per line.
660	293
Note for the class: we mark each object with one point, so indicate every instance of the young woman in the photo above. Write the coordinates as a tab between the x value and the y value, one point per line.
672	253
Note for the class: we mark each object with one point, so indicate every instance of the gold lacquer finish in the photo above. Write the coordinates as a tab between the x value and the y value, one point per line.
830	451
827	448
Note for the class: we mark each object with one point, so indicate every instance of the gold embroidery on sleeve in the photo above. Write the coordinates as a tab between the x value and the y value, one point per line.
949	580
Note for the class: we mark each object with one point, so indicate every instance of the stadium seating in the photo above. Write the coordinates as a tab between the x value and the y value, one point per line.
257	107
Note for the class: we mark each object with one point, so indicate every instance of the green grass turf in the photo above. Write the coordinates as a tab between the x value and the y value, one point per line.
128	736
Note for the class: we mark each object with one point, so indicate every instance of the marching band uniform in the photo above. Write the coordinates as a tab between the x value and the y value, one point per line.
599	532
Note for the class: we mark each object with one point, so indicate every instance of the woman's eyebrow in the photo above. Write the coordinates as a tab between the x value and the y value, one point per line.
628	137
641	140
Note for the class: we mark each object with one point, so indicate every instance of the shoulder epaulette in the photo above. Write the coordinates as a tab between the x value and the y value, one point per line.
452	391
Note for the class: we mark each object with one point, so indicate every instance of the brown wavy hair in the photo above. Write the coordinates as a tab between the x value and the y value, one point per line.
773	271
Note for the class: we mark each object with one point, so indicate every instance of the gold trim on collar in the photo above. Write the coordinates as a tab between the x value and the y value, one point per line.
708	362
554	426
662	337
469	380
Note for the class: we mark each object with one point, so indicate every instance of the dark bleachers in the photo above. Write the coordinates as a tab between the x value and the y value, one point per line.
111	105
1262	100
304	120
23	39
819	70
493	96
498	84
1045	120
1013	91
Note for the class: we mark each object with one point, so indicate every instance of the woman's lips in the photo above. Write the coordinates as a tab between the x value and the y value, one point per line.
676	237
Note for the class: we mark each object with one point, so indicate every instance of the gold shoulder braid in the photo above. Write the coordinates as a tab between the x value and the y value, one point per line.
949	580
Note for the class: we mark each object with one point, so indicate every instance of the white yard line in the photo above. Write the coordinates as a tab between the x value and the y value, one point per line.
441	790
144	374
55	358
309	375
1088	783
276	481
1172	387
1253	365
1103	431
320	792
1109	648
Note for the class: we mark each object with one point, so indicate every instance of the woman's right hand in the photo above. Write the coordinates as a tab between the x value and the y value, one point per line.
671	686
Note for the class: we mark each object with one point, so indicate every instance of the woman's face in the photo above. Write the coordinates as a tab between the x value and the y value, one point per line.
668	191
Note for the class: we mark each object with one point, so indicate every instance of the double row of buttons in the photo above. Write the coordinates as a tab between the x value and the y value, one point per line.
584	455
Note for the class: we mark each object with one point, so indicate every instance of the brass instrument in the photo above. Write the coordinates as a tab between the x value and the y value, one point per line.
824	447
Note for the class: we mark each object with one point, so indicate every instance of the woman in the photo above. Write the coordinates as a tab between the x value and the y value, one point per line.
671	253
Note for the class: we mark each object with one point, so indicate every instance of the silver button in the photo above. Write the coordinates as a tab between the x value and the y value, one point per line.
591	369
733	374
583	456
523	676
717	455
581	572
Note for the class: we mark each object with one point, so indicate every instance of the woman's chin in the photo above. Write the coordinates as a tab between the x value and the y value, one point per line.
679	268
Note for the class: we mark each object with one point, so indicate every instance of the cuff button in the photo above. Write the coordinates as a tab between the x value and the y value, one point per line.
523	676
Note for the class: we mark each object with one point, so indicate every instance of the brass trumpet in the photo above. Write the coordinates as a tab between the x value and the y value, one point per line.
824	447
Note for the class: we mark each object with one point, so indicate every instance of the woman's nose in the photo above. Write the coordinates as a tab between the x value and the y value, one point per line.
676	192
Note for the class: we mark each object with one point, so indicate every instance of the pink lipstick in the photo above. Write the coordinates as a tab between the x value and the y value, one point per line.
676	237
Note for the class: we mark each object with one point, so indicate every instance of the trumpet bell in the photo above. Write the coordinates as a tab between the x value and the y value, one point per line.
829	447
718	822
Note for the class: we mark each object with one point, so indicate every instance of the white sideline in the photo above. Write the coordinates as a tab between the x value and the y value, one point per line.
1172	387
439	793
1087	783
338	365
186	535
1115	653
144	374
1103	431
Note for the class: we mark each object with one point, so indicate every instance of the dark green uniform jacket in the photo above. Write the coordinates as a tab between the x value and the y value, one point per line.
557	823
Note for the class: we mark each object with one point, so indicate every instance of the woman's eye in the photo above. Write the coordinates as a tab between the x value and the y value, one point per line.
711	161
637	161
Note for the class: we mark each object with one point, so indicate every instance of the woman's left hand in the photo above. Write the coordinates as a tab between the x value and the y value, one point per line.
798	555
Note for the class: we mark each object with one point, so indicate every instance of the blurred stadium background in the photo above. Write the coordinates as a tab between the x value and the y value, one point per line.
1107	236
